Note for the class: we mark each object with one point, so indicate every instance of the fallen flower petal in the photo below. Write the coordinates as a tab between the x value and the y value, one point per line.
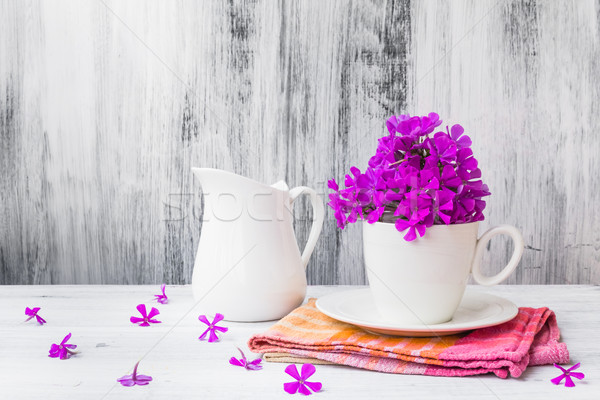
567	374
301	385
162	298
243	362
134	378
212	327
62	350
146	319
33	313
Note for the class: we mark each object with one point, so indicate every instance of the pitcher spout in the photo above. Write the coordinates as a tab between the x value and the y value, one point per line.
231	197
212	179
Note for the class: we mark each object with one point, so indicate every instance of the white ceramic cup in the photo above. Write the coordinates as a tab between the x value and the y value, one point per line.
422	282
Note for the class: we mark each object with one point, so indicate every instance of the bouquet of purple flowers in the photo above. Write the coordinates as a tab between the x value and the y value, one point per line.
416	179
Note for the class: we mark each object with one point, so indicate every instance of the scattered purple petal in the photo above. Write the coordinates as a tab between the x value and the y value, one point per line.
162	298
253	365
567	374
135	378
146	319
33	313
212	327
63	350
301	385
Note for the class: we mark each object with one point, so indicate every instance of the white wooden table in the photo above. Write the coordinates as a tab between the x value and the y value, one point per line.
184	367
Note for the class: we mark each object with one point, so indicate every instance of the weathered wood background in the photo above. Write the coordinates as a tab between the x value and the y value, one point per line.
106	105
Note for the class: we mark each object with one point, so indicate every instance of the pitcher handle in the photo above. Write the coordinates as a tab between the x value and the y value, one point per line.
317	225
519	246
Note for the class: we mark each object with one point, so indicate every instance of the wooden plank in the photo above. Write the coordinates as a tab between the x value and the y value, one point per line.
105	107
181	365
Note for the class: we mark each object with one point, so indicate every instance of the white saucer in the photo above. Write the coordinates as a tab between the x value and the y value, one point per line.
477	310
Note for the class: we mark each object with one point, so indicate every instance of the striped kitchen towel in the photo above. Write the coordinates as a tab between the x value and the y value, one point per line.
306	334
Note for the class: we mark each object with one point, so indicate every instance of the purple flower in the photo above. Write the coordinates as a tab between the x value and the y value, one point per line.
463	208
243	362
162	298
469	183
442	147
301	385
62	350
134	379
415	206
416	178
386	152
393	122
414	226
429	123
402	179
372	184
375	214
448	177
478	211
567	374
465	160
348	205
339	214
424	182
146	319
212	327
33	313
442	206
409	127
349	181
456	133
332	184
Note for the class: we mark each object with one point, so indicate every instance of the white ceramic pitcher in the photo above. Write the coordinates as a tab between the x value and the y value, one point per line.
248	266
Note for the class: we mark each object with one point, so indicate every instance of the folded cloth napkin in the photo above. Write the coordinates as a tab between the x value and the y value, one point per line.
531	338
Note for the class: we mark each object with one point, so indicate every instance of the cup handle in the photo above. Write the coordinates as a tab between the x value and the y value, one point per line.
519	245
317	224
